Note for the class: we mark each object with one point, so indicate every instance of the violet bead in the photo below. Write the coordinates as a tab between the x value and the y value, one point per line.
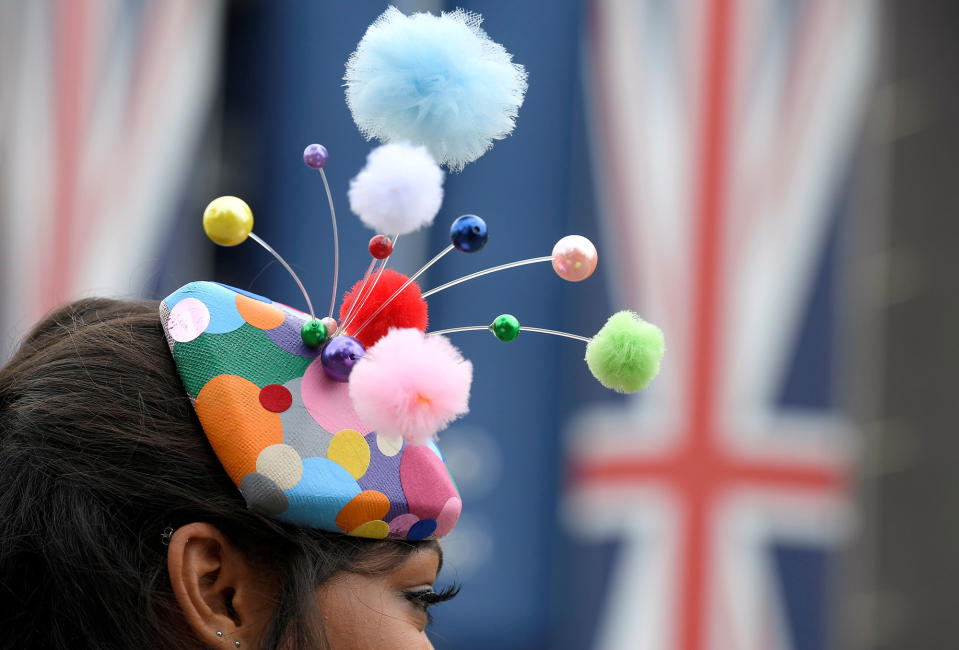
315	156
340	355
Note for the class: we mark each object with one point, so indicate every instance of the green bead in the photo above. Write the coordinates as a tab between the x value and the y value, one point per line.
313	332
505	327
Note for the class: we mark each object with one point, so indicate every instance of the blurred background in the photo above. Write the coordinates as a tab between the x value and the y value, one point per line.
772	182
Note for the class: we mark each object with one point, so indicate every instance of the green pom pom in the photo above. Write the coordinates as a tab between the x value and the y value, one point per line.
625	354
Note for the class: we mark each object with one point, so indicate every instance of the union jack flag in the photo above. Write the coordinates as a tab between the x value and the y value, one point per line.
103	104
724	131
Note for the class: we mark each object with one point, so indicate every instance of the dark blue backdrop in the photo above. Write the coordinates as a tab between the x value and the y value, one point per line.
285	69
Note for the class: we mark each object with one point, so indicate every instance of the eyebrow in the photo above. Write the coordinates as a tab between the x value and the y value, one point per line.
433	544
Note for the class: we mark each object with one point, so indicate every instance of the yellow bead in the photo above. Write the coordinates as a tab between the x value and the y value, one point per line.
228	221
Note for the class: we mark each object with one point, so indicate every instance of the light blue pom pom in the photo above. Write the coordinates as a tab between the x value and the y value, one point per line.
438	81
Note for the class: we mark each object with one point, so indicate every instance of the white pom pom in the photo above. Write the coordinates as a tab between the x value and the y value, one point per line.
399	190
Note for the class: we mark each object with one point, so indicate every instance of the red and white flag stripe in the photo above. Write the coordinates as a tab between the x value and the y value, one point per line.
723	131
105	102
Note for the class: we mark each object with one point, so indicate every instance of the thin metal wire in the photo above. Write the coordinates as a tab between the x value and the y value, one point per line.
269	249
501	267
405	284
256	277
336	242
361	299
366	277
453	330
480	328
577	337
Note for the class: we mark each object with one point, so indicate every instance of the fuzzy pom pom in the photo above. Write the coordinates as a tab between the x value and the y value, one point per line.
434	80
407	310
625	354
399	190
411	385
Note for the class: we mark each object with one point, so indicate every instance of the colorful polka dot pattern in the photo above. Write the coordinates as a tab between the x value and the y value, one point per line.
287	435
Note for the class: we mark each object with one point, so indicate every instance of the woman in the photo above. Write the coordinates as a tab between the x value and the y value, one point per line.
119	528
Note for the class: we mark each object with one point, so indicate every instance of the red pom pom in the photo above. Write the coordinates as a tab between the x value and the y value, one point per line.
407	310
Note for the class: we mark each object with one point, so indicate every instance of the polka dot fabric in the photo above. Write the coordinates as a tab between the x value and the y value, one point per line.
286	434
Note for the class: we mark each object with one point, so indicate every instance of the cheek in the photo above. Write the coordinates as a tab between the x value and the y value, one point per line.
366	617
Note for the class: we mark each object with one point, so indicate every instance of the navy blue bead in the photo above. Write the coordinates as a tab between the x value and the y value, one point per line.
340	355
468	233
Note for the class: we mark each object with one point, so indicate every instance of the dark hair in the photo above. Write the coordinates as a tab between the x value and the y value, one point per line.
100	451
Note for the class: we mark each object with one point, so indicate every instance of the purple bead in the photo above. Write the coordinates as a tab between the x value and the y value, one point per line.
468	233
315	156
340	355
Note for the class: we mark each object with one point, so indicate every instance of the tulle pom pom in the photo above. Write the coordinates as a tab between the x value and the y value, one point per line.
411	385
399	190
407	310
625	354
434	80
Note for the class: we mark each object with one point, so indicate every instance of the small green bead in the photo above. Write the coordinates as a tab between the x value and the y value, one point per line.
313	332
505	327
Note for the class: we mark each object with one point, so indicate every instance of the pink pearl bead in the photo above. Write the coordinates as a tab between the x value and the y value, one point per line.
574	258
330	325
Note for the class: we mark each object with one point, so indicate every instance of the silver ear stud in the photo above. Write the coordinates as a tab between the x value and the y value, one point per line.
236	643
218	633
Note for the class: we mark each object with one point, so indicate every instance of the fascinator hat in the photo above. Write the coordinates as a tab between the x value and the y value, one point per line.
331	422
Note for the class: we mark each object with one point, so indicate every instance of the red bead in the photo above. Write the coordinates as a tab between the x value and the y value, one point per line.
381	247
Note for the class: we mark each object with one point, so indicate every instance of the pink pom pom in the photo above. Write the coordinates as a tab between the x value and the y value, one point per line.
411	385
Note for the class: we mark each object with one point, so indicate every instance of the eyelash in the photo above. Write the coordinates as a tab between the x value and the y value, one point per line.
426	598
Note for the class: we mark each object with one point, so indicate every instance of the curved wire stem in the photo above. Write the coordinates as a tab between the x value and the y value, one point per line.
366	278
454	330
336	243
364	295
269	249
405	284
501	267
480	328
577	337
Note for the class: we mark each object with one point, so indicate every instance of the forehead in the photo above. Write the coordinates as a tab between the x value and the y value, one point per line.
423	563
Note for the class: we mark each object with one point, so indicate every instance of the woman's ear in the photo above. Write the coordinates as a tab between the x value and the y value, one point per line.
227	601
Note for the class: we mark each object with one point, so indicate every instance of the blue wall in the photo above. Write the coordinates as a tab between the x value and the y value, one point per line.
284	91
